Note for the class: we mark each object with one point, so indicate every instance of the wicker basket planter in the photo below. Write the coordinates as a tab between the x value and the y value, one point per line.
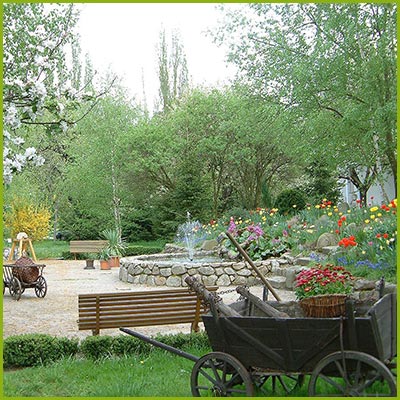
26	270
324	306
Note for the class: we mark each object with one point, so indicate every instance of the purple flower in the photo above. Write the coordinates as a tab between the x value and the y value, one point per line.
232	227
256	229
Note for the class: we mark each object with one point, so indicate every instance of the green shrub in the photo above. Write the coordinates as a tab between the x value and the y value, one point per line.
35	349
291	200
69	347
238	213
133	250
66	255
124	345
96	347
184	340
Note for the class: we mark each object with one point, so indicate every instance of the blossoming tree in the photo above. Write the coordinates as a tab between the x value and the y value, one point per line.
38	85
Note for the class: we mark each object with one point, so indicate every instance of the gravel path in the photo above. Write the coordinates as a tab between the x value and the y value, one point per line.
57	313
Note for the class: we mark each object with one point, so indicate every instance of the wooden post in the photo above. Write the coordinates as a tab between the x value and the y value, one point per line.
195	323
96	331
22	245
250	262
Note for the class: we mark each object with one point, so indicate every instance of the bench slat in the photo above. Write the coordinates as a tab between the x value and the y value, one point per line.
137	312
137	301
87	246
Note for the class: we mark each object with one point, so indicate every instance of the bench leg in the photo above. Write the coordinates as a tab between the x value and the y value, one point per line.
195	323
194	327
95	332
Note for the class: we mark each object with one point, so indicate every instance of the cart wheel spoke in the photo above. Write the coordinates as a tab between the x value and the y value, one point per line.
228	378
285	387
41	287
278	383
351	373
15	288
332	383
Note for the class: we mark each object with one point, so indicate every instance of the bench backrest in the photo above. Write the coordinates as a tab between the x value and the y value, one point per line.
87	246
145	308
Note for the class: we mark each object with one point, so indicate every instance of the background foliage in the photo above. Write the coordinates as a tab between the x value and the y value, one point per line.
315	101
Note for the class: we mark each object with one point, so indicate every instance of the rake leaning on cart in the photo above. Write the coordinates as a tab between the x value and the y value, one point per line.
24	274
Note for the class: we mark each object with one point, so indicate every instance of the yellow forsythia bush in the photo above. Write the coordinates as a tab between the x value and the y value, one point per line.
24	216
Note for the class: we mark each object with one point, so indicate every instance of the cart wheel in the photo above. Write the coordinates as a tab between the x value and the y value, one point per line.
351	373
41	287
270	383
220	375
15	288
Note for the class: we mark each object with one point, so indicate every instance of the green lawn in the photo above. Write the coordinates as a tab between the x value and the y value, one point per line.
159	374
53	249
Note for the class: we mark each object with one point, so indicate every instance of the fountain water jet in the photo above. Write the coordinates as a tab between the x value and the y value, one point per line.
190	233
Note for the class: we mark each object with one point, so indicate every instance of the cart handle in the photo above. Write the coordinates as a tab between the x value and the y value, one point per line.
161	345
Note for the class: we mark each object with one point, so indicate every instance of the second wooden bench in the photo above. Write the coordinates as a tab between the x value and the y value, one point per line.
145	308
86	246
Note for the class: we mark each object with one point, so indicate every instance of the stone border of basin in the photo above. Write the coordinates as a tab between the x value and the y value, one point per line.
149	270
280	272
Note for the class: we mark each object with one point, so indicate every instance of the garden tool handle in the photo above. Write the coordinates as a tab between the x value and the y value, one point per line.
250	262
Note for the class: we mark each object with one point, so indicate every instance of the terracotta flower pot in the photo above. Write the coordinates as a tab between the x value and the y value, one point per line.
113	261
104	264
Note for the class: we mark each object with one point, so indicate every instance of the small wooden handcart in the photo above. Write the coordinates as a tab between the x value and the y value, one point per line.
252	353
23	274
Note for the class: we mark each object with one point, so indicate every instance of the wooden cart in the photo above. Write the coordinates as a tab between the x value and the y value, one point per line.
24	274
253	354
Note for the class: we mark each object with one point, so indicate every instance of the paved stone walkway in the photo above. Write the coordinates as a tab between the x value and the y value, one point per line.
57	313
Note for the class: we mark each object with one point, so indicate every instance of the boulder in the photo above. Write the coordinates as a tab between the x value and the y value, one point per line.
165	271
303	261
326	239
178	269
364	284
209	245
229	271
173	281
209	280
160	280
205	270
173	248
244	272
223	280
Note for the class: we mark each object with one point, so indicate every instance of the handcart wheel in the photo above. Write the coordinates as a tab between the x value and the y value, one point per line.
351	373
15	288
270	383
41	287
220	375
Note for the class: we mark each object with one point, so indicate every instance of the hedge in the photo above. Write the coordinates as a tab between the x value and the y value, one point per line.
29	350
35	349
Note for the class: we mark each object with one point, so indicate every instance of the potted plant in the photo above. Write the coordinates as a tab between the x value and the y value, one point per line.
103	258
116	246
90	261
322	290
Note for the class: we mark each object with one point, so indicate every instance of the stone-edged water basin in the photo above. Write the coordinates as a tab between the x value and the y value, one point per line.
171	270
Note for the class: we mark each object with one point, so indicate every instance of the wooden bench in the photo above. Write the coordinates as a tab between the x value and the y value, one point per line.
145	308
86	246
